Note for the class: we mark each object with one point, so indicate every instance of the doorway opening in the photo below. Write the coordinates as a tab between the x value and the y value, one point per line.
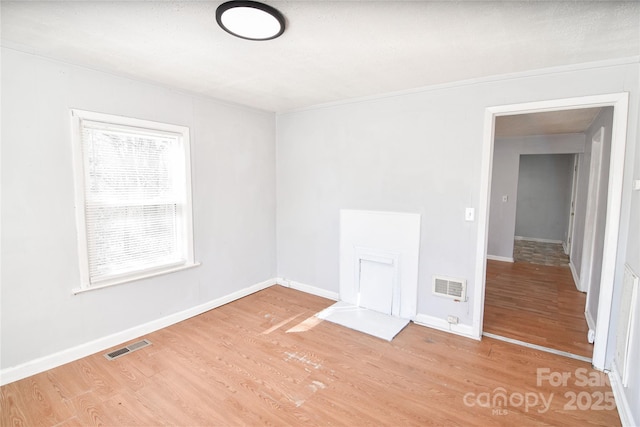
534	298
612	205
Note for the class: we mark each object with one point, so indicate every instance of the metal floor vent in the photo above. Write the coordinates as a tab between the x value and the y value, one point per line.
126	350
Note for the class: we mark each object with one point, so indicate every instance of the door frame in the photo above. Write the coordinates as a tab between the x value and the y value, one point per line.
620	102
594	198
572	205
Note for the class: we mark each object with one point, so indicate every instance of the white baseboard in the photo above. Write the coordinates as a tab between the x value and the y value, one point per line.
443	325
313	290
565	248
420	319
624	408
591	323
500	258
535	239
576	277
51	361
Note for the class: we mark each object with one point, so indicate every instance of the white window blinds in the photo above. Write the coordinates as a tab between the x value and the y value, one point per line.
136	212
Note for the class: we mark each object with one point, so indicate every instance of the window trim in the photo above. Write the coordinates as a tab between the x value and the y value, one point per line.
115	122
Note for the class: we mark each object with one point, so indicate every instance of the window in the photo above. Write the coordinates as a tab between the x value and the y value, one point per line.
133	198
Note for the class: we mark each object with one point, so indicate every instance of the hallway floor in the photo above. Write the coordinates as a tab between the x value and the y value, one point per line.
539	253
536	304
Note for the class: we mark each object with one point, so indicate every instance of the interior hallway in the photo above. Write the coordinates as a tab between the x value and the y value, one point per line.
537	304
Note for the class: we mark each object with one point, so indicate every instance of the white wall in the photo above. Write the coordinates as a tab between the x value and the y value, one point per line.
504	182
631	255
411	152
233	172
544	196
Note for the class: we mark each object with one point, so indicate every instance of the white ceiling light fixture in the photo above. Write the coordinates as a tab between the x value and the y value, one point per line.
250	20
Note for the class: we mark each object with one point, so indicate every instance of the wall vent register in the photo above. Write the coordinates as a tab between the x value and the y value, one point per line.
450	288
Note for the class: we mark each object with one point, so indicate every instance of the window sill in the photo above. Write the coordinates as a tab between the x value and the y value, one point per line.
134	278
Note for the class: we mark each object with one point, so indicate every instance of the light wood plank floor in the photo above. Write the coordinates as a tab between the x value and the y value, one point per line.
537	304
265	360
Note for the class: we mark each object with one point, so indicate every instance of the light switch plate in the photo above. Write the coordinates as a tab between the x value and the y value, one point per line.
469	214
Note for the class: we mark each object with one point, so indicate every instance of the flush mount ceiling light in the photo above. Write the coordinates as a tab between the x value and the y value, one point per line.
250	20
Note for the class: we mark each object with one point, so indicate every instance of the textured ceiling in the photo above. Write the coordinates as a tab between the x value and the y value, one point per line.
547	123
331	50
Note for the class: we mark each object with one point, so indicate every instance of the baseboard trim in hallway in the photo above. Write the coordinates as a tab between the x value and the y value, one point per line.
537	347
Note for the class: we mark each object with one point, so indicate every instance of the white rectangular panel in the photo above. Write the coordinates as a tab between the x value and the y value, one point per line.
376	285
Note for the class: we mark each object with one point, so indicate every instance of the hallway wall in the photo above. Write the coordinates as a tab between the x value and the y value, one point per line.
544	196
504	182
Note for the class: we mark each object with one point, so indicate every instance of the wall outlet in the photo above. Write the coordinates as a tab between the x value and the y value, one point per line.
505	198
452	320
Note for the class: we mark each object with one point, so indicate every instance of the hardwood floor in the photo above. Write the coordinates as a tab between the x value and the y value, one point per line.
265	360
537	304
